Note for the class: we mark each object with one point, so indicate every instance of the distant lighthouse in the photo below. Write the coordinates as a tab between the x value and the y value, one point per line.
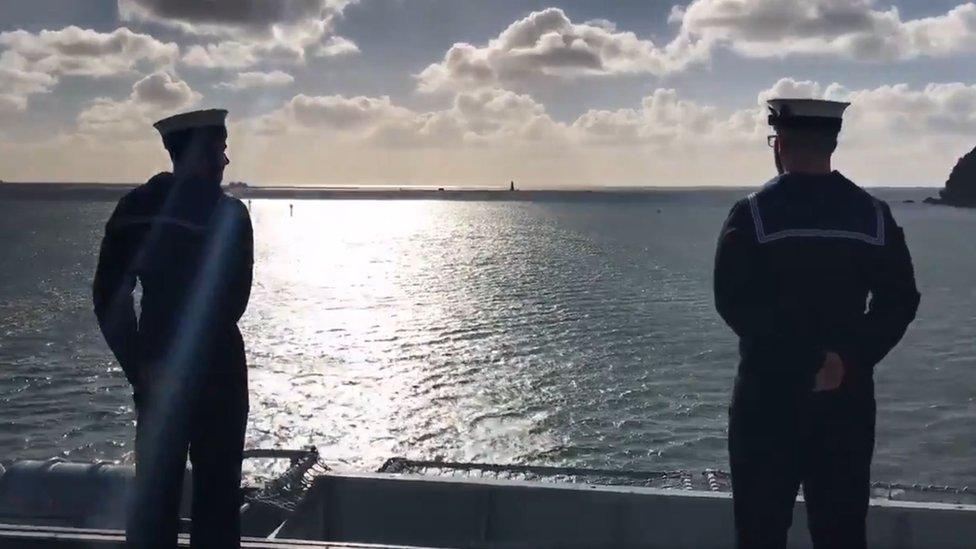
511	186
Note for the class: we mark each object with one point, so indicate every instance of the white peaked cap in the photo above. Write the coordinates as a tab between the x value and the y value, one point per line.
806	112
193	119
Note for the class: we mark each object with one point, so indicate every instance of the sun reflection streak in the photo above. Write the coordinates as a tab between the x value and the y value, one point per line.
328	367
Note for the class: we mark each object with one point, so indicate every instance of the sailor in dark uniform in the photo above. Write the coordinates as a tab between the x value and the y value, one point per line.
190	247
813	274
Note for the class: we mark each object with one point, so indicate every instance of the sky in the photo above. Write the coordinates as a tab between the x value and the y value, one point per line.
477	93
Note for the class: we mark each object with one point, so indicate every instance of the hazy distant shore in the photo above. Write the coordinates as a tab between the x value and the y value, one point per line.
113	191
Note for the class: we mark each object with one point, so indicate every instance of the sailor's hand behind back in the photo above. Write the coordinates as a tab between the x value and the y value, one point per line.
831	374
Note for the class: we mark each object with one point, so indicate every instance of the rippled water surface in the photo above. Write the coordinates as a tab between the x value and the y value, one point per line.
571	331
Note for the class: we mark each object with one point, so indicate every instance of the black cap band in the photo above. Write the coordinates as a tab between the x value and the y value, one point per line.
807	122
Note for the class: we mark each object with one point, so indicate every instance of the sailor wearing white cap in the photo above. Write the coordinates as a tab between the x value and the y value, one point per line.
209	118
806	113
190	247
197	133
796	263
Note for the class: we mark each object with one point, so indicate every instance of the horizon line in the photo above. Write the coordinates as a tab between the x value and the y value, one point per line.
452	188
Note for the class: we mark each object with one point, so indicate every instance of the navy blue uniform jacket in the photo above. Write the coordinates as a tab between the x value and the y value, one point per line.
191	248
810	264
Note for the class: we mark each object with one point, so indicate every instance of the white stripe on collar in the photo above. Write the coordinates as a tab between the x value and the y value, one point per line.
877	240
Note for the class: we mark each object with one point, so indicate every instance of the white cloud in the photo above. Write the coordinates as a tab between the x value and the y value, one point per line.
246	80
482	116
32	63
890	113
855	29
901	112
15	80
84	52
333	113
229	54
622	126
662	119
249	31
341	113
493	108
893	134
288	44
548	43
163	90
492	135
17	83
897	134
503	117
152	97
228	17
336	46
10	103
791	89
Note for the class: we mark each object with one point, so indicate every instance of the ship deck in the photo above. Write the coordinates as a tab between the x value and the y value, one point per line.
45	537
449	505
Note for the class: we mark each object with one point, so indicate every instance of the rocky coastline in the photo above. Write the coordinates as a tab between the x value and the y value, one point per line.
960	188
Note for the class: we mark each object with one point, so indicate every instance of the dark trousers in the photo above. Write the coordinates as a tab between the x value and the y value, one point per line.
824	442
210	424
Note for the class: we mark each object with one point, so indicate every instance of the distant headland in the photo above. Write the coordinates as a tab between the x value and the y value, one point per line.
960	188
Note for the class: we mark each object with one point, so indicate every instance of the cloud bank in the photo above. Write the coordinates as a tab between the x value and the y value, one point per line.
248	32
852	29
32	63
548	44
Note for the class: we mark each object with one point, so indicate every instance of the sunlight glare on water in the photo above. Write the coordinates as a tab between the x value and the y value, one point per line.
336	331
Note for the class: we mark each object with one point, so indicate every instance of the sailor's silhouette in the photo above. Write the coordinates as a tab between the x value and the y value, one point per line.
190	247
796	264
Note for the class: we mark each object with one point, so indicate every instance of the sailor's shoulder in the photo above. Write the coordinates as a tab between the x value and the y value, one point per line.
766	194
740	215
136	200
868	199
233	204
864	193
234	208
769	187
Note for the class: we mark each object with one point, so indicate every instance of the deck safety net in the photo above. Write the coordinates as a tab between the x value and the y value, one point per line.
286	488
710	480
